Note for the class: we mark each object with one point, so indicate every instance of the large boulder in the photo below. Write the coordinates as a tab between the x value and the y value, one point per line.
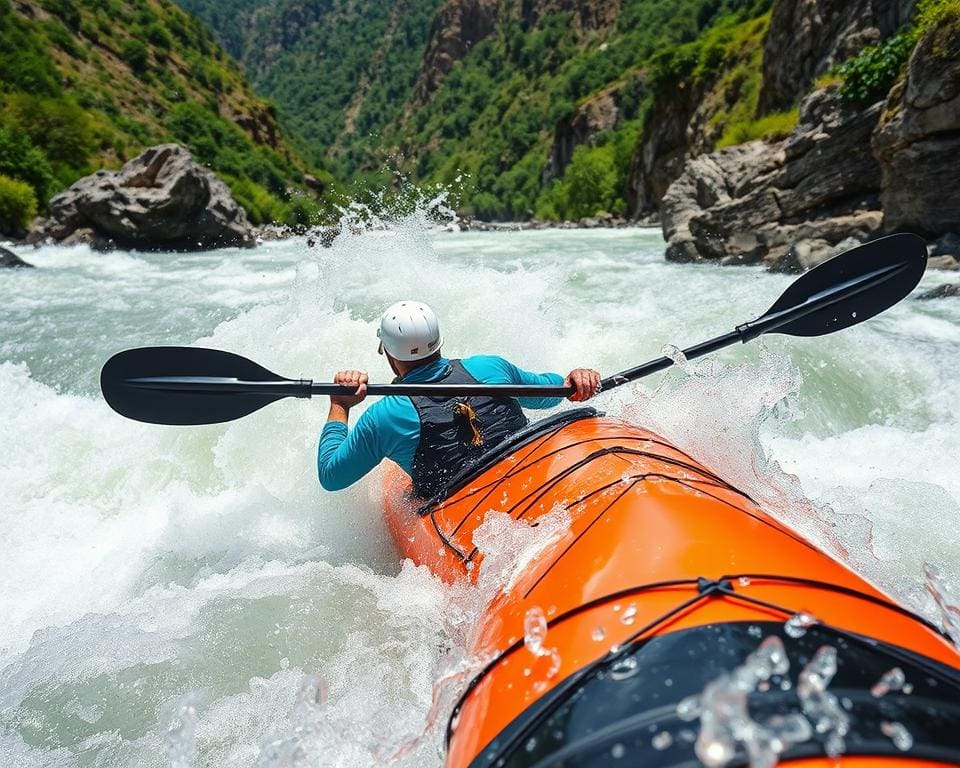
10	260
918	138
790	204
161	200
808	37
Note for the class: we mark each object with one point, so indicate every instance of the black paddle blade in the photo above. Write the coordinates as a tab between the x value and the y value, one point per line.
851	287
124	389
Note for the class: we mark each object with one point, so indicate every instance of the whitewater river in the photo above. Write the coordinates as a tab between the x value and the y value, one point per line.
190	596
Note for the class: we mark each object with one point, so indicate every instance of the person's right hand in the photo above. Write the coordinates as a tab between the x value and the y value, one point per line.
586	381
356	380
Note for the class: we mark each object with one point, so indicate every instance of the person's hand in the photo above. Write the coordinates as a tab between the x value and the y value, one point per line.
587	382
356	380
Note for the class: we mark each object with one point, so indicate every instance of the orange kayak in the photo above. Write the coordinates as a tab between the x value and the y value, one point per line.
668	620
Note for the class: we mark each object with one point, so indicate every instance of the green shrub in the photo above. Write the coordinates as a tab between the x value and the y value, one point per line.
301	212
592	179
260	205
937	14
869	75
159	37
137	55
90	31
943	18
21	160
60	127
64	9
61	37
18	204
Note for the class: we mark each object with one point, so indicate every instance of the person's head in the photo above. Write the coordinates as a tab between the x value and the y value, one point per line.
409	335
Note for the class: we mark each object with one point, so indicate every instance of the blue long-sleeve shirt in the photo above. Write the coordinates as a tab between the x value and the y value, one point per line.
390	428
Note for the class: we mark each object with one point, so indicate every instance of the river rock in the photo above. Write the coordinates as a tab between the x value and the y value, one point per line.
10	260
161	200
918	138
944	262
941	291
788	204
808	37
946	245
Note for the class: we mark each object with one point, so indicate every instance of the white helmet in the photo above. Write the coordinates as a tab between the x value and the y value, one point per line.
409	330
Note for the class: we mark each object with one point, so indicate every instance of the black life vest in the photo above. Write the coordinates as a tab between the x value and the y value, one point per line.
455	431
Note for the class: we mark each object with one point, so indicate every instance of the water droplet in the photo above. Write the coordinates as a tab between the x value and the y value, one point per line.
835	746
534	630
621	669
662	740
629	615
891	680
743	581
617	751
598	634
715	753
689	708
755	632
907	689
531	744
797	626
898	734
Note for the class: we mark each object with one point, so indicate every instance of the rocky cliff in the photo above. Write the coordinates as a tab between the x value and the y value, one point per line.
787	204
849	171
809	37
457	27
918	139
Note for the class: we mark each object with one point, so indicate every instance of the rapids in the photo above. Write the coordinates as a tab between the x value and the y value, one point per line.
190	596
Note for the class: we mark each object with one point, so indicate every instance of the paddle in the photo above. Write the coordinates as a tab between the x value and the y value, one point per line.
193	385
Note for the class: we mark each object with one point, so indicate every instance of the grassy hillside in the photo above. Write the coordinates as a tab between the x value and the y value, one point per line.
91	83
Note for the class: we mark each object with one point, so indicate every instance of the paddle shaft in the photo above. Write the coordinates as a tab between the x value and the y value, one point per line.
308	388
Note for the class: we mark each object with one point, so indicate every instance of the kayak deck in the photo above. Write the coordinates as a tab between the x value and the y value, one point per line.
656	544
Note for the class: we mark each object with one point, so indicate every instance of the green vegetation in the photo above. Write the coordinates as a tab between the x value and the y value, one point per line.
870	74
339	71
772	127
942	16
91	83
343	76
495	114
18	204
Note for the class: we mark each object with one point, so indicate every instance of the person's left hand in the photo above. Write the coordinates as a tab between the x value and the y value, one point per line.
587	382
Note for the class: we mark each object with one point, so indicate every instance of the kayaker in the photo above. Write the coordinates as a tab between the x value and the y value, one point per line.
429	438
